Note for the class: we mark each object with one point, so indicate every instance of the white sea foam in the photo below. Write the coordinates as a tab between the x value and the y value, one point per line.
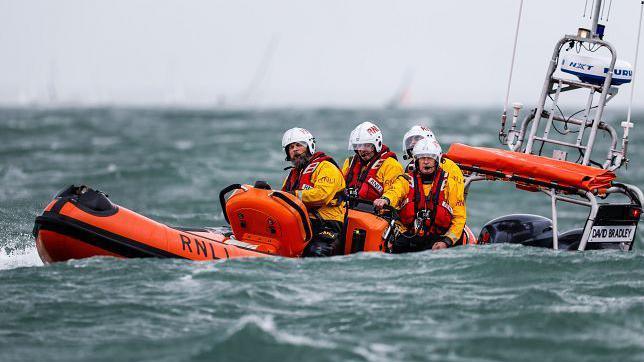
183	145
111	168
11	174
104	141
19	258
267	325
377	352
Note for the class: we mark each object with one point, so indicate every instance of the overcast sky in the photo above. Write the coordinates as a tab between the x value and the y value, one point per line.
288	53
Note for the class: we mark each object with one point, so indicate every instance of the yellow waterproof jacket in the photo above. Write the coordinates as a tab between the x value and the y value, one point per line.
390	176
327	181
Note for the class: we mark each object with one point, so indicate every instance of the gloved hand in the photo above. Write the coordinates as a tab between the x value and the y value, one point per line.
442	243
328	236
378	204
318	250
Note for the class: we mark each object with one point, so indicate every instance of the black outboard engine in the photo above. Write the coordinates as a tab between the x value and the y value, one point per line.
534	230
524	229
570	239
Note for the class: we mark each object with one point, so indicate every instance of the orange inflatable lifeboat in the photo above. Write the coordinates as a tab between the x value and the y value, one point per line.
81	222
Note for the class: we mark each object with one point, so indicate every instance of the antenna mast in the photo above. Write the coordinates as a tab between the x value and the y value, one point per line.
504	116
596	12
628	124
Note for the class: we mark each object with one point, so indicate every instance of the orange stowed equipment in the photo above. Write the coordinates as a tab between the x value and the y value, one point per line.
364	232
277	222
367	232
530	169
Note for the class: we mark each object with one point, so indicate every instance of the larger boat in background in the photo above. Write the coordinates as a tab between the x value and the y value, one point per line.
574	67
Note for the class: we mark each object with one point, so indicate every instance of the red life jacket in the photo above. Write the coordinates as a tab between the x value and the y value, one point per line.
440	212
364	179
301	179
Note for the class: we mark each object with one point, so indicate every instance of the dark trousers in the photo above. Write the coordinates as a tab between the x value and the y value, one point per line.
409	243
325	240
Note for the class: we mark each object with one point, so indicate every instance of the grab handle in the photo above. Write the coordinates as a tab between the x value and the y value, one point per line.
222	198
289	202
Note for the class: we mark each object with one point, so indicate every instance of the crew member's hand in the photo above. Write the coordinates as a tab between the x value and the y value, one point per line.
443	243
439	245
378	204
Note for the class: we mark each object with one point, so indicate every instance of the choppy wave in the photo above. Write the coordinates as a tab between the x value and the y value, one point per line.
468	304
19	258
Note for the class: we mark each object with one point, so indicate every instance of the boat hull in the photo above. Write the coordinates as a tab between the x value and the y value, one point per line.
80	224
66	231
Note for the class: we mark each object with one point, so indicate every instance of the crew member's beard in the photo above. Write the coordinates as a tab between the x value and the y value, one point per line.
427	178
301	160
363	161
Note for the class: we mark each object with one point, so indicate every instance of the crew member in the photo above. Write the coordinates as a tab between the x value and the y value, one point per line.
415	134
373	173
316	180
434	209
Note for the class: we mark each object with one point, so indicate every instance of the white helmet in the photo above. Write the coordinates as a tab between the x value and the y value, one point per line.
365	133
299	135
427	148
412	136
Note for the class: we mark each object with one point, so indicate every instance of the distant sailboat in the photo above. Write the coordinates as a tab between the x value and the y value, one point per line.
52	93
402	95
249	96
251	92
